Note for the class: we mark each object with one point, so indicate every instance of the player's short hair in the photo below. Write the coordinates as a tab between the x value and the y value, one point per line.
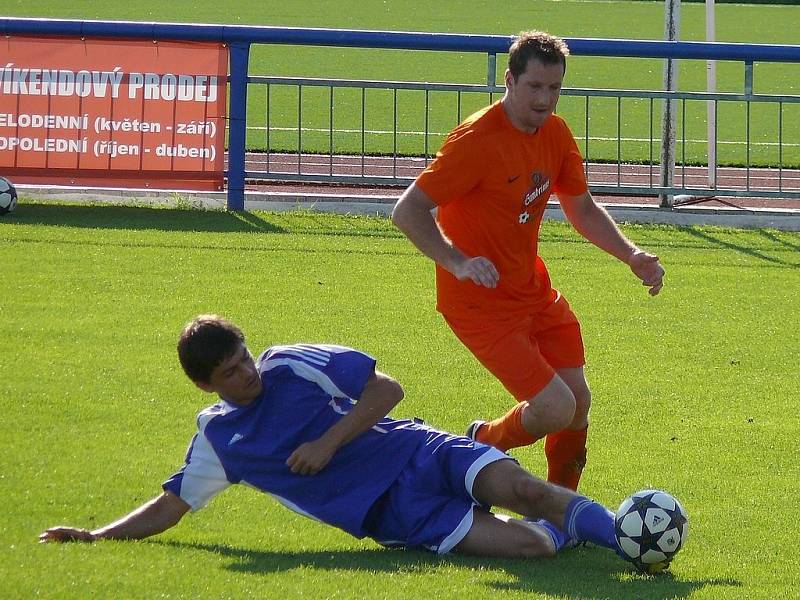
204	343
546	48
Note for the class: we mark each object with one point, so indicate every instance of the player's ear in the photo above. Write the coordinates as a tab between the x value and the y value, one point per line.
509	78
205	386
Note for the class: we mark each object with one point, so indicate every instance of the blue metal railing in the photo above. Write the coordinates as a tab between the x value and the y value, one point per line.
397	40
240	38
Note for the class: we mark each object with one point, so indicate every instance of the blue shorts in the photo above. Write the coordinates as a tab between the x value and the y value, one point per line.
430	504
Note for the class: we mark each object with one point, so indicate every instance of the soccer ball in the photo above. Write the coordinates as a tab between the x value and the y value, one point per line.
8	196
650	527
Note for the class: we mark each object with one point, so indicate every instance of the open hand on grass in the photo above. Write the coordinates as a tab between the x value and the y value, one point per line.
66	534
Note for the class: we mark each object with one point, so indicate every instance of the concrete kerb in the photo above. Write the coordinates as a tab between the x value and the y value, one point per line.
377	204
752	218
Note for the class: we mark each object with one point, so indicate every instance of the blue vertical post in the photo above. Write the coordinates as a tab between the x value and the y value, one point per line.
237	124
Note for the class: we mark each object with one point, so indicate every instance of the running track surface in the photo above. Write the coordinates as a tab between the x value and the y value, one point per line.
738	178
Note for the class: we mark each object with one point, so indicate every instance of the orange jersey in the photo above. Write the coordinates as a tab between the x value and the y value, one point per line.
491	183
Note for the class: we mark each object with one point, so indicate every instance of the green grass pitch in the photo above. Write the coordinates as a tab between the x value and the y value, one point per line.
695	391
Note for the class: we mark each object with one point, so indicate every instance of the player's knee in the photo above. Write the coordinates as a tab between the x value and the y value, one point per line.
583	402
561	410
536	545
552	409
534	542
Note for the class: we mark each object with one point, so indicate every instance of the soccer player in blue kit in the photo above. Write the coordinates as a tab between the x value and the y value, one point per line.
308	425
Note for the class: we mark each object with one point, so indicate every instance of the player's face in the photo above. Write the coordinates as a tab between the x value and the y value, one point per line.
236	378
533	96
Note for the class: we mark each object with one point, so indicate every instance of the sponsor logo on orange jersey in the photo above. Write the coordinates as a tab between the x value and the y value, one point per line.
540	185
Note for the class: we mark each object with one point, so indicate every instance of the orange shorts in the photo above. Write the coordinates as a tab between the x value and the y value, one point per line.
524	352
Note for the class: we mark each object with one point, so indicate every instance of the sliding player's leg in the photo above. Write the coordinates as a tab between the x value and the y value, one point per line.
503	536
507	485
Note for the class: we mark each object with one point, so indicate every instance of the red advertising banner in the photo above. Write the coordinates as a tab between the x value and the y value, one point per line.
113	113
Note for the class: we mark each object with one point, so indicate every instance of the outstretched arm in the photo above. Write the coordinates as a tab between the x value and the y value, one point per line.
380	395
412	215
155	516
593	222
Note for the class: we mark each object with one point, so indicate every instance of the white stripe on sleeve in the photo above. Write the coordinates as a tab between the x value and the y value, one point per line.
306	371
203	476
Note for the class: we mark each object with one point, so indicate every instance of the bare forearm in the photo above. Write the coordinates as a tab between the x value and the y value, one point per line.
380	396
155	516
149	519
594	223
412	215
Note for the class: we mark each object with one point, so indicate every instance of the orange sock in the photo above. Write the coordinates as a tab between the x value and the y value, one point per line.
506	432
566	456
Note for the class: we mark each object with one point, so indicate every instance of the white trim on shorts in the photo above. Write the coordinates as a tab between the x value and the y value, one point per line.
460	532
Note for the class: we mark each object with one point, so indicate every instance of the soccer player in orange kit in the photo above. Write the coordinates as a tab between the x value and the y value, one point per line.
490	182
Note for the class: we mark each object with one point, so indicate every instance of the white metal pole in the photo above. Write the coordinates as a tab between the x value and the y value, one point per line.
672	19
711	84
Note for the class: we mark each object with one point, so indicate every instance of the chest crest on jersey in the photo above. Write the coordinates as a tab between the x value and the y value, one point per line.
539	188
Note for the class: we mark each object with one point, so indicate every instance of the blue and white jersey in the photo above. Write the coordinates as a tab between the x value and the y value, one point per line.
307	389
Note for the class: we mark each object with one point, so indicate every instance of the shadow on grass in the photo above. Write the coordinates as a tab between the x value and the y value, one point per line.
602	575
779	240
713	240
141	218
138	218
699	238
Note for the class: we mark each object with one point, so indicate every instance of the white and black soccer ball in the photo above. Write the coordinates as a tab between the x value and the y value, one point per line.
651	526
8	196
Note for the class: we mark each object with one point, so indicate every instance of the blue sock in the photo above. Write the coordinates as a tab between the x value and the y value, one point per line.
559	537
587	520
